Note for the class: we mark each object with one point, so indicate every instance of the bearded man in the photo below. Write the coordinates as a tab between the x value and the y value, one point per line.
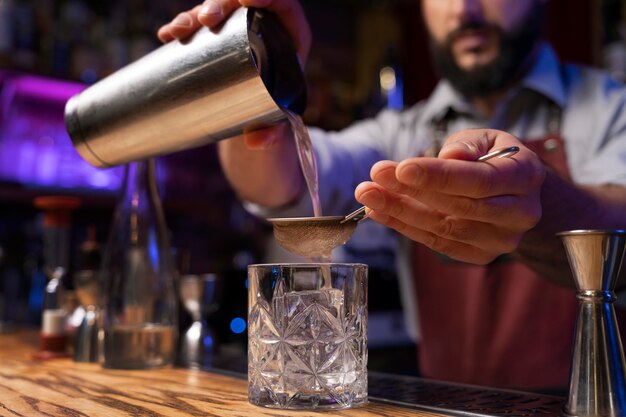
484	277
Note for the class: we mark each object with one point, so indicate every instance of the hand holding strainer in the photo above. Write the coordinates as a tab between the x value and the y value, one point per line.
316	237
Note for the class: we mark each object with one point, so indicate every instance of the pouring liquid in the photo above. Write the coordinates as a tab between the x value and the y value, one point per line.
308	164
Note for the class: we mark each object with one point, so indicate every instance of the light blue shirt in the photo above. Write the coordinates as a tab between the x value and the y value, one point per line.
593	126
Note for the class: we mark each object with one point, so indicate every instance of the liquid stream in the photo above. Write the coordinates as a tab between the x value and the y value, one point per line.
306	155
308	164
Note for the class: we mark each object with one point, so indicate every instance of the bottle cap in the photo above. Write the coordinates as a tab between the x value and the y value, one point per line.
57	209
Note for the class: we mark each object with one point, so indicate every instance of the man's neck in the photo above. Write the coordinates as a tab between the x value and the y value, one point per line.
486	106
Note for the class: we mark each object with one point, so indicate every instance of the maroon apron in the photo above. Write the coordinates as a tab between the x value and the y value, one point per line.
500	324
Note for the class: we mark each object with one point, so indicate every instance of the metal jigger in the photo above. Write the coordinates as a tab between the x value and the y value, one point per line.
86	343
198	294
598	371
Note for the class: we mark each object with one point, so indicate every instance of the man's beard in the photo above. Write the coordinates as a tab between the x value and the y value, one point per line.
483	80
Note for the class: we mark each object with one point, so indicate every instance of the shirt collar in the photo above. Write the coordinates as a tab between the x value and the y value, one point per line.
544	78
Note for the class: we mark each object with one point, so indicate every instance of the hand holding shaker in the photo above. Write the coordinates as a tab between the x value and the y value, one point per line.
189	93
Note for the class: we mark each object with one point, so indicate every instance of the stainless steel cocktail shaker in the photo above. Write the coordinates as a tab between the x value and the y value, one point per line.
188	93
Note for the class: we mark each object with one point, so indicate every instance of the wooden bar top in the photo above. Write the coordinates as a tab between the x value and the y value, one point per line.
61	387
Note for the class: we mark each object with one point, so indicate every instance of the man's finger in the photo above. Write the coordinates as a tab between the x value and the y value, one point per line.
471	144
453	248
214	12
210	13
497	176
266	138
393	209
183	25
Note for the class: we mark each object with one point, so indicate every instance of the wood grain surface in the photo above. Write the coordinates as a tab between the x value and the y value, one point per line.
61	387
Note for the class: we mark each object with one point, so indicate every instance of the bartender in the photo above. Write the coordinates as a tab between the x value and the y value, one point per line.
483	275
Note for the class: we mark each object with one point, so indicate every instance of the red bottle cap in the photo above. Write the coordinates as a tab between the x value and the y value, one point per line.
57	209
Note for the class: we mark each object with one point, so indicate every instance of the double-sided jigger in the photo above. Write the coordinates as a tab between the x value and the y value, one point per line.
197	344
598	371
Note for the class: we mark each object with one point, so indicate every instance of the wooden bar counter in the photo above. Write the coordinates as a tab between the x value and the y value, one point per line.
61	387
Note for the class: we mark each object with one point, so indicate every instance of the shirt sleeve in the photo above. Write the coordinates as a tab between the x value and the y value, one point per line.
595	129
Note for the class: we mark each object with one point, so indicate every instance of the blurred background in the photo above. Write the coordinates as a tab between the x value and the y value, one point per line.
366	55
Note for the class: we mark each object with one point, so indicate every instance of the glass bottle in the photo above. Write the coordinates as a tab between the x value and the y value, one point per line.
84	317
137	297
56	248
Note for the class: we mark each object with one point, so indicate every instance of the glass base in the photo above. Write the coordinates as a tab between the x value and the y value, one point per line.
304	402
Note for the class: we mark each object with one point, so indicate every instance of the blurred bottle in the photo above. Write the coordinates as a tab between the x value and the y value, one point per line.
6	28
86	271
84	319
56	243
11	280
138	295
34	269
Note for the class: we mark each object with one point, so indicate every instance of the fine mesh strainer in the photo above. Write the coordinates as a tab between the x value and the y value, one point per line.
316	237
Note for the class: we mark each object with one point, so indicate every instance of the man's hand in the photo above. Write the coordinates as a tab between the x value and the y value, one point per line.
468	210
261	165
213	12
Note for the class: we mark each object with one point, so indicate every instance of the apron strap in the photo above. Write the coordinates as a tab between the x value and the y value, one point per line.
551	148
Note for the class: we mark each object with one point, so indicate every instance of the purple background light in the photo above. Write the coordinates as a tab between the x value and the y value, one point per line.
35	149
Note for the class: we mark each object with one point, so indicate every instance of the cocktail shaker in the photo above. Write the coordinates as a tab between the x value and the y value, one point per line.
212	86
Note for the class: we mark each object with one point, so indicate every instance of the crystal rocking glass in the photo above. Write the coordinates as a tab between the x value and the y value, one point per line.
307	335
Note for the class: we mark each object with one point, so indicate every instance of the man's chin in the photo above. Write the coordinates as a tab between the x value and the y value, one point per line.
473	61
